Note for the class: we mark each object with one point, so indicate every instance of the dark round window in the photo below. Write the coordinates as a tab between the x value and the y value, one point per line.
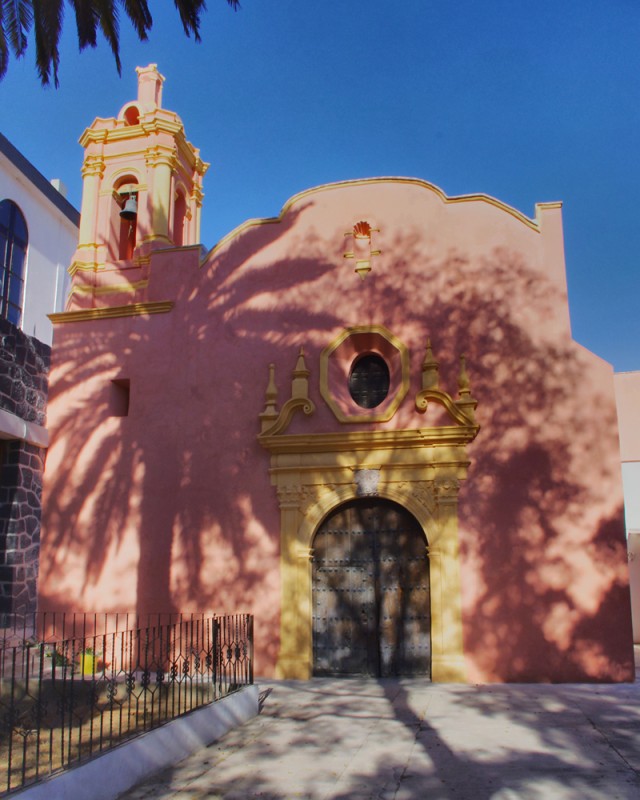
369	380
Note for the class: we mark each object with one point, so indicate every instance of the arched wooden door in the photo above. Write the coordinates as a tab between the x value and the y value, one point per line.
371	603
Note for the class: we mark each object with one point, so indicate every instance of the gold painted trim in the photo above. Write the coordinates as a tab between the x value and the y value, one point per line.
286	415
133	310
452	408
84	266
175	249
362	440
465	198
116	287
150	123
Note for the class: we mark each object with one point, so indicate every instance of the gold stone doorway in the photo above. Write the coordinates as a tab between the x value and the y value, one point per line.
418	470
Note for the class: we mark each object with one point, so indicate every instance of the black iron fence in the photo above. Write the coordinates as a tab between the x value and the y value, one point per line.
75	685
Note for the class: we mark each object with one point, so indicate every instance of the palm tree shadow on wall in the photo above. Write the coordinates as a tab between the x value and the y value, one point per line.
532	478
110	475
540	514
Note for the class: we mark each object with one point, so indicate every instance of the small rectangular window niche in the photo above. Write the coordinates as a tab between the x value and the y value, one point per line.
119	397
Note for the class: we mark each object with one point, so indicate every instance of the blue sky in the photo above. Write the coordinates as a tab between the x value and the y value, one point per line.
525	102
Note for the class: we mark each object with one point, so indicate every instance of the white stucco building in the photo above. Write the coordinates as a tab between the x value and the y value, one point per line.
52	235
38	235
628	402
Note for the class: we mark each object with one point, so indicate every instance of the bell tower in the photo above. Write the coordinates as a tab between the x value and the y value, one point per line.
142	190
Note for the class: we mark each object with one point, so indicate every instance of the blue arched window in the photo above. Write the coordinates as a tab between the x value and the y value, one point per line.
14	238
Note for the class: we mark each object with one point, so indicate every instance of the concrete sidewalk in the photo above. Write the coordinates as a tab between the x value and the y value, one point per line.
407	740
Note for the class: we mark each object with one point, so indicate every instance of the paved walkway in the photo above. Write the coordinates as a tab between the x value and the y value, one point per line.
406	740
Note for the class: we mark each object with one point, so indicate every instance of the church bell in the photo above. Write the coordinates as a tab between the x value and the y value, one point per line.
130	210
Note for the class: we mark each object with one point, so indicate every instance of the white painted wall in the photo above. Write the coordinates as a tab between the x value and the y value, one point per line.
627	386
631	484
53	238
107	777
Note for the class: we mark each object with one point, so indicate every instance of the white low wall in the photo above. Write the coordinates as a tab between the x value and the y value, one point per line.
132	762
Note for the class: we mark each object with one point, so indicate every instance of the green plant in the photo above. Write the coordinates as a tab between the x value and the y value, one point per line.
58	658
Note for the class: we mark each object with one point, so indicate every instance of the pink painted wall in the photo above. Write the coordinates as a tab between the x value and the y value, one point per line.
171	507
627	385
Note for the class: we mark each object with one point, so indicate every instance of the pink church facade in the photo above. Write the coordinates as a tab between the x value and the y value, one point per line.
285	425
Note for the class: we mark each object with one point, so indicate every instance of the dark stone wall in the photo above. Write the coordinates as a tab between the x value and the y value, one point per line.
24	383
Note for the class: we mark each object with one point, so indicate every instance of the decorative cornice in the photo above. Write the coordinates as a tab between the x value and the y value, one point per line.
133	310
94	134
368	440
158	124
111	129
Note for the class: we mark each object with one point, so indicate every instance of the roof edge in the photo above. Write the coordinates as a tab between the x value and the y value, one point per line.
464	198
38	180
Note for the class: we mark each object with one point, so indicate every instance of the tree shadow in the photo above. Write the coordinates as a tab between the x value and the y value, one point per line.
367	738
178	492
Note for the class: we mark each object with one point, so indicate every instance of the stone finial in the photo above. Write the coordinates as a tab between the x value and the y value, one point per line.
466	402
300	381
463	379
430	369
149	87
270	412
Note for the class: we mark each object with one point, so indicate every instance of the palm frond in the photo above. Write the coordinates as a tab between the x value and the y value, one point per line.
108	17
48	16
140	16
16	17
86	22
189	11
4	49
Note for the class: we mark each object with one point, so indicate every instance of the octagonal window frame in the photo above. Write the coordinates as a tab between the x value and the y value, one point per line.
337	361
